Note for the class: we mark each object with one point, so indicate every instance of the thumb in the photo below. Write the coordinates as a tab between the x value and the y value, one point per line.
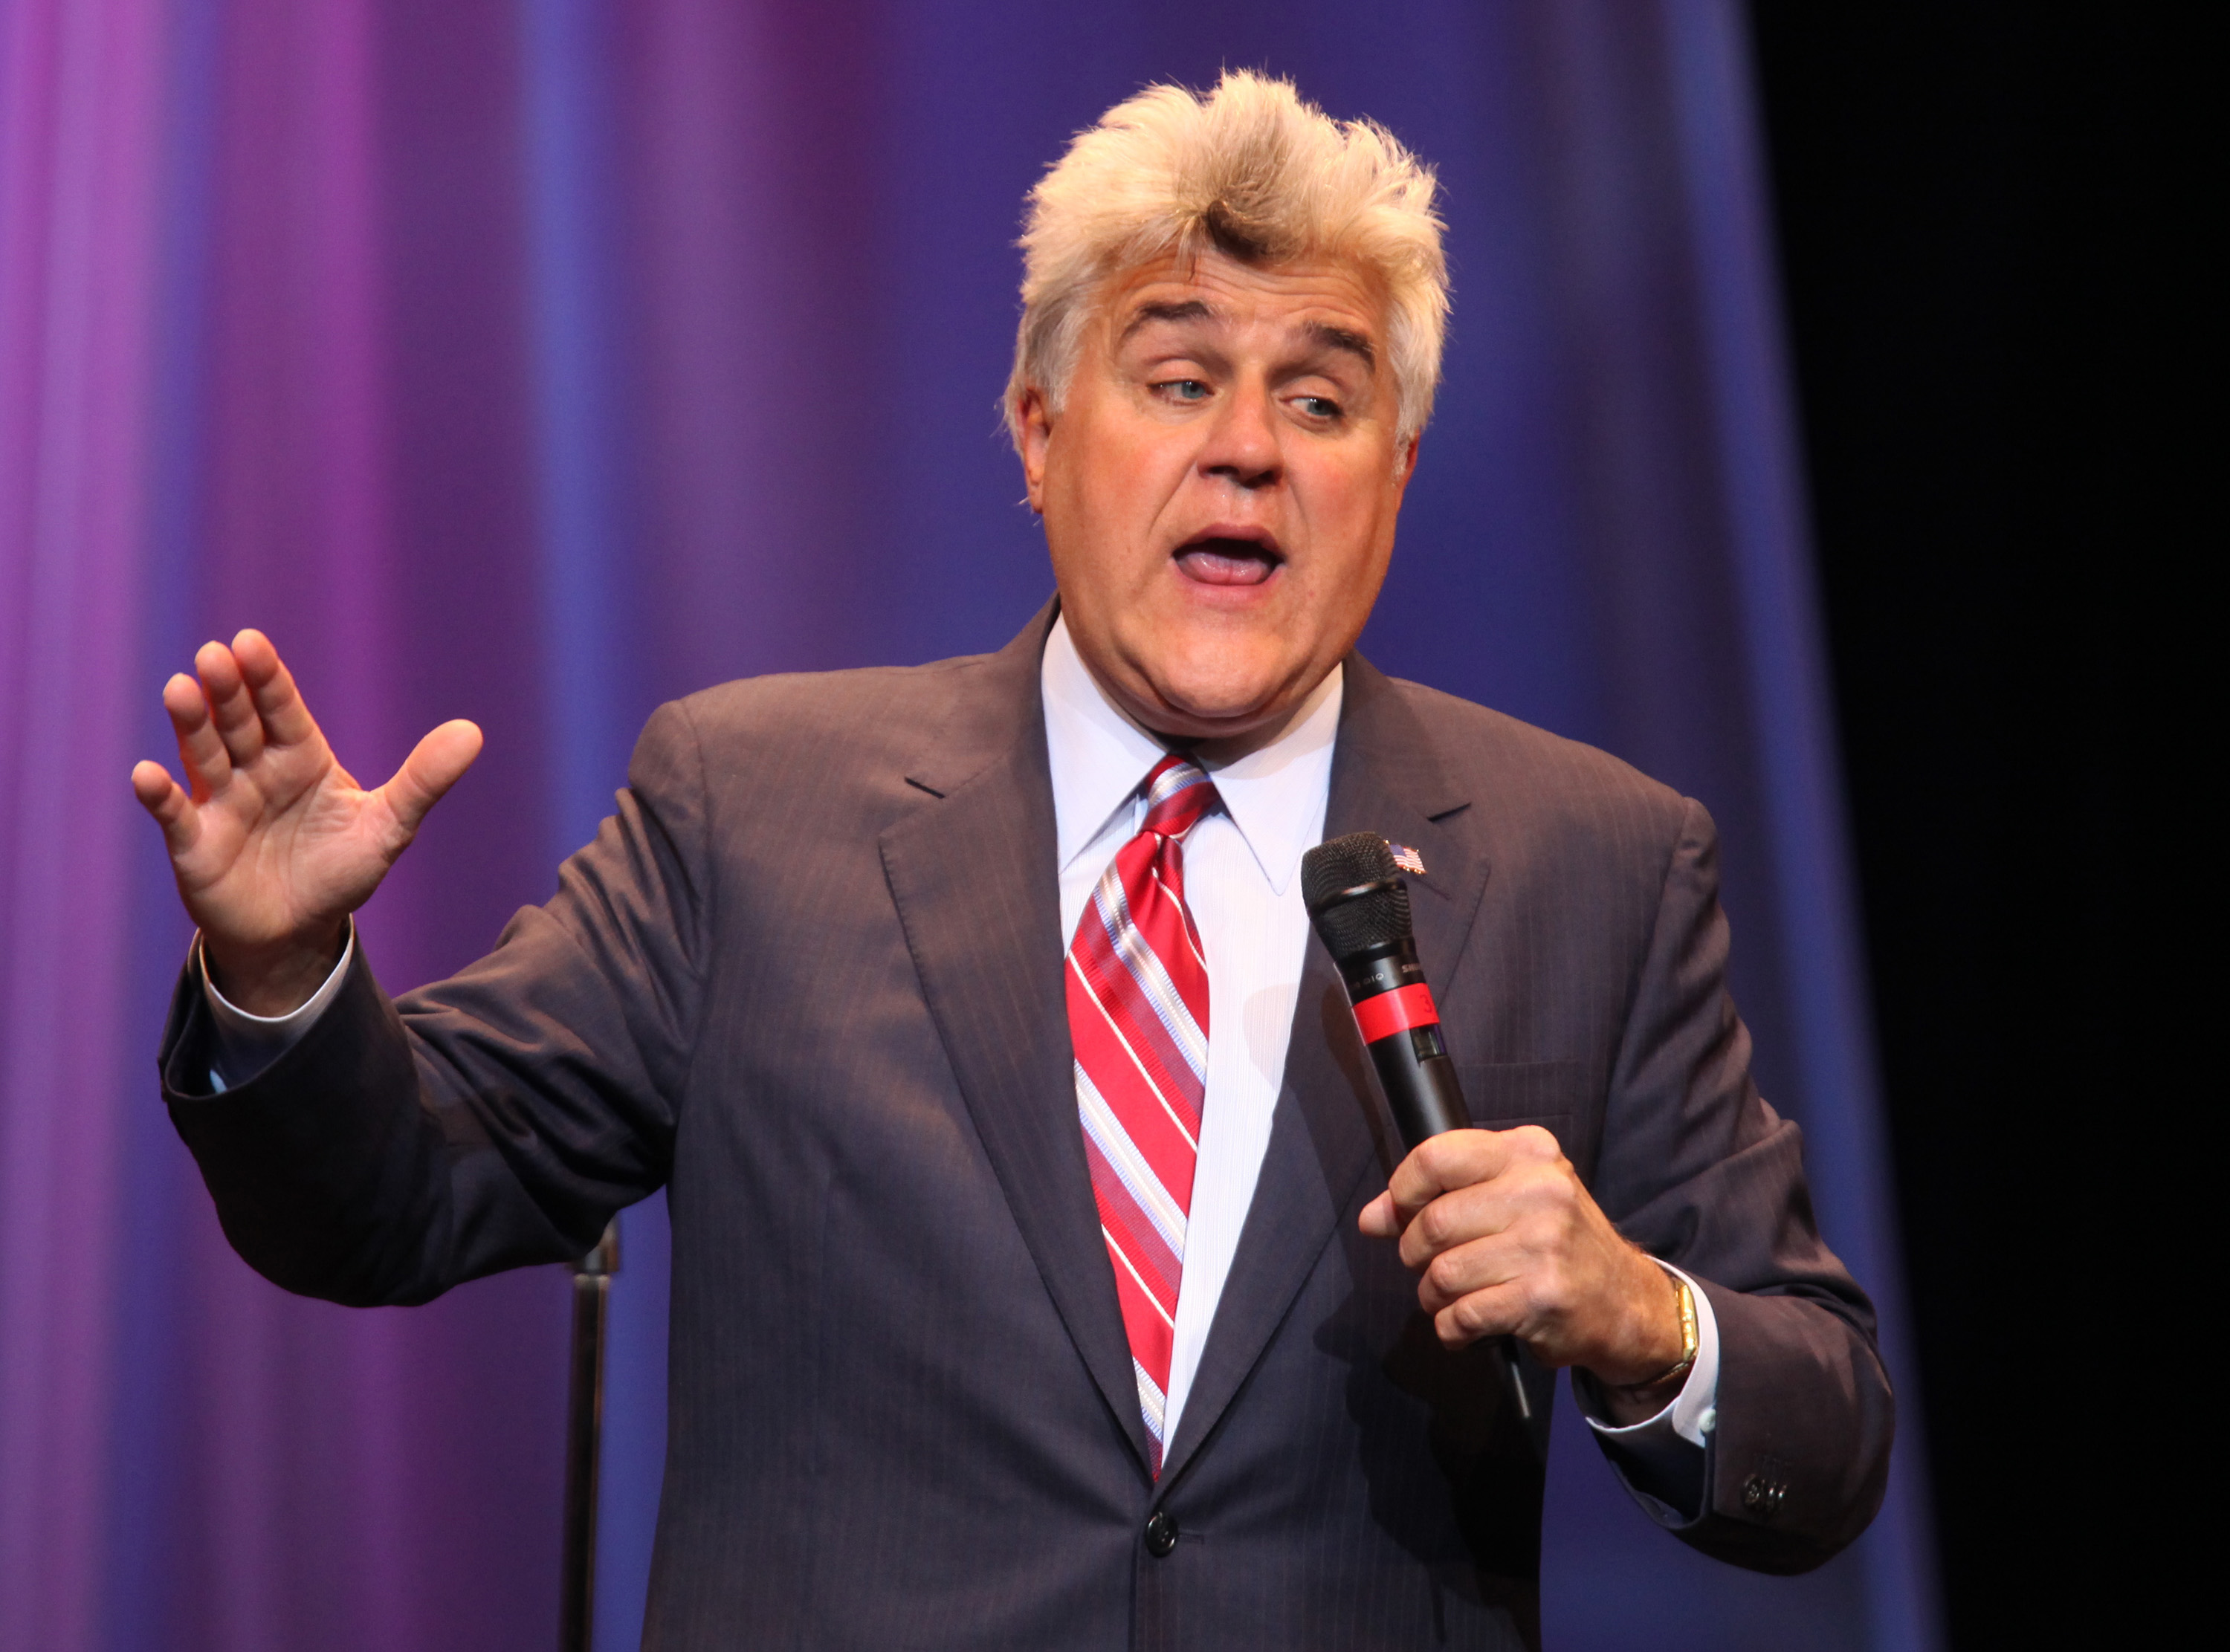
434	765
1378	1220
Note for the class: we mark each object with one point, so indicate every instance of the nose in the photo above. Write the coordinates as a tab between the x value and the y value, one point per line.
1242	442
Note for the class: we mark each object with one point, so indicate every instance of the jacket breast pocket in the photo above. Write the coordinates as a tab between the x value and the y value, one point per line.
1504	1095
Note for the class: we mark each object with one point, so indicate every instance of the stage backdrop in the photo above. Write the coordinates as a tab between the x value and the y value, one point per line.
538	361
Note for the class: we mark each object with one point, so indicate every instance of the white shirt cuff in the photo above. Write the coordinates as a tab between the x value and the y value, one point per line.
1664	1455
242	1045
1690	1415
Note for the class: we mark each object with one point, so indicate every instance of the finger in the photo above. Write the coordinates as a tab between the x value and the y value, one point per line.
231	708
1500	1311
166	799
434	766
1533	1188
286	719
1456	1217
1460	1158
1479	1264
200	749
1436	1166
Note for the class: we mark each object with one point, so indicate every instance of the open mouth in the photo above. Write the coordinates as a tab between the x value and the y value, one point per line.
1225	559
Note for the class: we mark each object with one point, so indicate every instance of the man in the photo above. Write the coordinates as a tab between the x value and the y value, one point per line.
1038	1276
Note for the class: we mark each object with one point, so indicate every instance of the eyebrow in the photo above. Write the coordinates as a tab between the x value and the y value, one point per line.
1187	309
1322	333
1344	338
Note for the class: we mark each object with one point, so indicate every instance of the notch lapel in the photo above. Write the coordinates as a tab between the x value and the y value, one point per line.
1330	1129
973	873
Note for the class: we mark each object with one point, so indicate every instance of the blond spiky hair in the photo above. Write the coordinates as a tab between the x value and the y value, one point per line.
1251	171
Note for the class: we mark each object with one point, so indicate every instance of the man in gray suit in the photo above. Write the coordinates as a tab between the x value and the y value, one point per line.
1043	1274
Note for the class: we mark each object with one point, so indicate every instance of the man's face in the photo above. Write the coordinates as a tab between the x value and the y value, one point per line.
1220	487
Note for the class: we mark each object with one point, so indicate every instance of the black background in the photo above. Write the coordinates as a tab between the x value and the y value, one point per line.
1988	217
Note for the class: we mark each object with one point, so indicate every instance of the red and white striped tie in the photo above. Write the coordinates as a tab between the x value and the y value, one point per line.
1137	1016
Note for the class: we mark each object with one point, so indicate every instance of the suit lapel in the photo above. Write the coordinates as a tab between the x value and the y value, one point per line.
974	876
1330	1127
1387	778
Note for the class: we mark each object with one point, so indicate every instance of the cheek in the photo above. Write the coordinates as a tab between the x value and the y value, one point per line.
1357	528
1354	496
1115	460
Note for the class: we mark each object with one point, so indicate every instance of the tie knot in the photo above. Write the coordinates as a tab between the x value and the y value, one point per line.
1178	792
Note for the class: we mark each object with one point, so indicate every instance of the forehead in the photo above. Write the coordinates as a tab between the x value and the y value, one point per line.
1216	292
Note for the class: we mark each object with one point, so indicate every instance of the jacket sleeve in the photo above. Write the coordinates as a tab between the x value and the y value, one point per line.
495	1118
1698	1170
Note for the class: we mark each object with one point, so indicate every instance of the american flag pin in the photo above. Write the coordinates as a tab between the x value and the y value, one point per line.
1407	858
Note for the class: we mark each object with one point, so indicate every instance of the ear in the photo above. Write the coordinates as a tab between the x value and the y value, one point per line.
1034	422
1405	465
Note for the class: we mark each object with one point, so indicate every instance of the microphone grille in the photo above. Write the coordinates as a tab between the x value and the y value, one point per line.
1343	863
1351	926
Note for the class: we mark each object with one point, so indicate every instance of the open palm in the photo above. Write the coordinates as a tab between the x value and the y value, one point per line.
273	843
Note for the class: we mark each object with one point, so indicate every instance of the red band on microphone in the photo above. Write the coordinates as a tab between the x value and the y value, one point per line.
1396	1011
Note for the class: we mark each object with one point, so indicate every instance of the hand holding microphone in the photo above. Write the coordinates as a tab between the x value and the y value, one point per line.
1505	1237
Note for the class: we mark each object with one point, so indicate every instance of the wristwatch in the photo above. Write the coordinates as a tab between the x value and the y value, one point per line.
1681	1366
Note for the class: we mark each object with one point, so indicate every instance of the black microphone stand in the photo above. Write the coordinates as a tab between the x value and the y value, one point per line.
584	1425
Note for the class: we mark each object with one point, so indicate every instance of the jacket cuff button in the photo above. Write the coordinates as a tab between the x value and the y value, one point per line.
1763	1496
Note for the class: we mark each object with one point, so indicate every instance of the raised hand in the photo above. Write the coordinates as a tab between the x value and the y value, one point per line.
272	843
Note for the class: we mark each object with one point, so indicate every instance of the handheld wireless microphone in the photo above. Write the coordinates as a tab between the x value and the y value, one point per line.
1360	907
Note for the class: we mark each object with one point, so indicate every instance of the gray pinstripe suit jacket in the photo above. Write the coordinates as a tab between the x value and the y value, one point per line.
809	977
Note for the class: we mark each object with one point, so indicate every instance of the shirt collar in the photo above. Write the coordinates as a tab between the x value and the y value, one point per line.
1274	795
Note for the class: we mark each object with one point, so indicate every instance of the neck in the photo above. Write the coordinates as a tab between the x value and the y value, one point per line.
1212	750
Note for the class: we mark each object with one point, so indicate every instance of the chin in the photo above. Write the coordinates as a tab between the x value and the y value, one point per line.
1218	699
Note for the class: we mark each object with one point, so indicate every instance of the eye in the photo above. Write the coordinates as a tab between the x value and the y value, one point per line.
1184	390
1319	406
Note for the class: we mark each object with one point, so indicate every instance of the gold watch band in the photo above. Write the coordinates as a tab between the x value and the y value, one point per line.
1688	1336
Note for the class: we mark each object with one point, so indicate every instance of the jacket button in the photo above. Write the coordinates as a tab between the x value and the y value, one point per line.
1763	1496
1161	1533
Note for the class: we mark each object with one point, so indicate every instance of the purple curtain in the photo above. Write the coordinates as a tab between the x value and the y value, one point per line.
535	362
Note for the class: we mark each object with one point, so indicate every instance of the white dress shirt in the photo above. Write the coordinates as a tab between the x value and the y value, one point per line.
1242	882
1242	866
